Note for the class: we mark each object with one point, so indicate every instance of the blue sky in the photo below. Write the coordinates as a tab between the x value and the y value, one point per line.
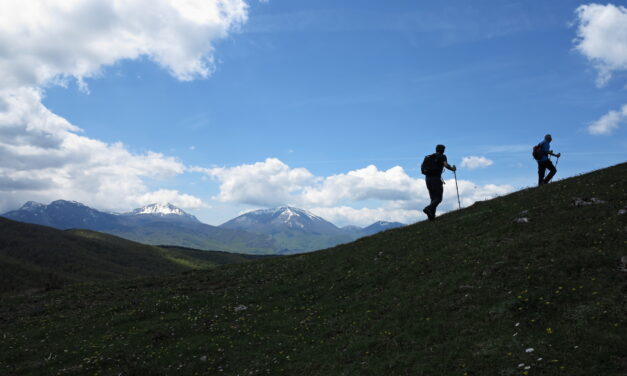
300	97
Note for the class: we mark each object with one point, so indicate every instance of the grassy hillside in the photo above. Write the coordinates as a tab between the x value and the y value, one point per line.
33	256
473	293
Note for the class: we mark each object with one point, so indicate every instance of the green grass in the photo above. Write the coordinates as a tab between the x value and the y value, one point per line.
468	294
38	257
296	241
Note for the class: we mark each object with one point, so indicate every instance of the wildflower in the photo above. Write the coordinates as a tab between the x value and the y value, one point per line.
549	330
530	350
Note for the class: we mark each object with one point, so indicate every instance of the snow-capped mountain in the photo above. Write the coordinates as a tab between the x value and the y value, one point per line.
162	211
62	214
277	230
294	230
153	224
32	206
269	221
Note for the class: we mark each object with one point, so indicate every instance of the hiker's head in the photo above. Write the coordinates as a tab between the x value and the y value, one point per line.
440	148
548	138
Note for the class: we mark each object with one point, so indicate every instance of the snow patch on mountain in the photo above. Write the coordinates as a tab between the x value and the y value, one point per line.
274	220
32	206
286	213
159	209
165	211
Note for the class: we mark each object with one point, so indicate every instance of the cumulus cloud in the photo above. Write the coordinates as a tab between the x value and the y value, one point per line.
602	38
344	215
396	195
609	122
44	40
470	193
363	184
476	162
268	183
43	159
48	42
173	197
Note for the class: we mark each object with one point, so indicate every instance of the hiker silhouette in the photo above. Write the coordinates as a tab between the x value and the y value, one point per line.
432	167
544	162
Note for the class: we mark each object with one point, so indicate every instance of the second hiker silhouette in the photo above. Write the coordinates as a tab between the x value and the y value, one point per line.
432	167
544	162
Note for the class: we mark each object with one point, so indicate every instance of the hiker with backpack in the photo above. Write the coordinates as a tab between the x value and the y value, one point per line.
541	153
432	167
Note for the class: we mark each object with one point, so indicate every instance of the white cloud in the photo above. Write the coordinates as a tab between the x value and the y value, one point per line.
410	211
476	162
391	194
268	183
609	122
602	38
363	184
173	197
43	159
344	215
470	193
44	40
47	42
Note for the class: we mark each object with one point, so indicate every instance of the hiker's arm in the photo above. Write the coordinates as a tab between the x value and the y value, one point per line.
452	168
553	154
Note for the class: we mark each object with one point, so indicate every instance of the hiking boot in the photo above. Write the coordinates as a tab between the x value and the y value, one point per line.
429	214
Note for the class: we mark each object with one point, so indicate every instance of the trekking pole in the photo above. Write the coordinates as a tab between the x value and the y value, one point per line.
557	161
457	189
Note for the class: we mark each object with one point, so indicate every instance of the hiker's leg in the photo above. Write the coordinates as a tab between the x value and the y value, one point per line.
541	172
552	171
438	191
434	185
431	193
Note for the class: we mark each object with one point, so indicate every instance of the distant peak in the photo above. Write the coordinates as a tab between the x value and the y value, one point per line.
66	202
160	209
387	224
287	213
32	205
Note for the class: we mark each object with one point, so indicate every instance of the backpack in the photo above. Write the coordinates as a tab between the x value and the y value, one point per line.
430	165
536	152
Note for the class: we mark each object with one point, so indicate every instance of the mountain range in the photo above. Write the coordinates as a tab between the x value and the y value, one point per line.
280	230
